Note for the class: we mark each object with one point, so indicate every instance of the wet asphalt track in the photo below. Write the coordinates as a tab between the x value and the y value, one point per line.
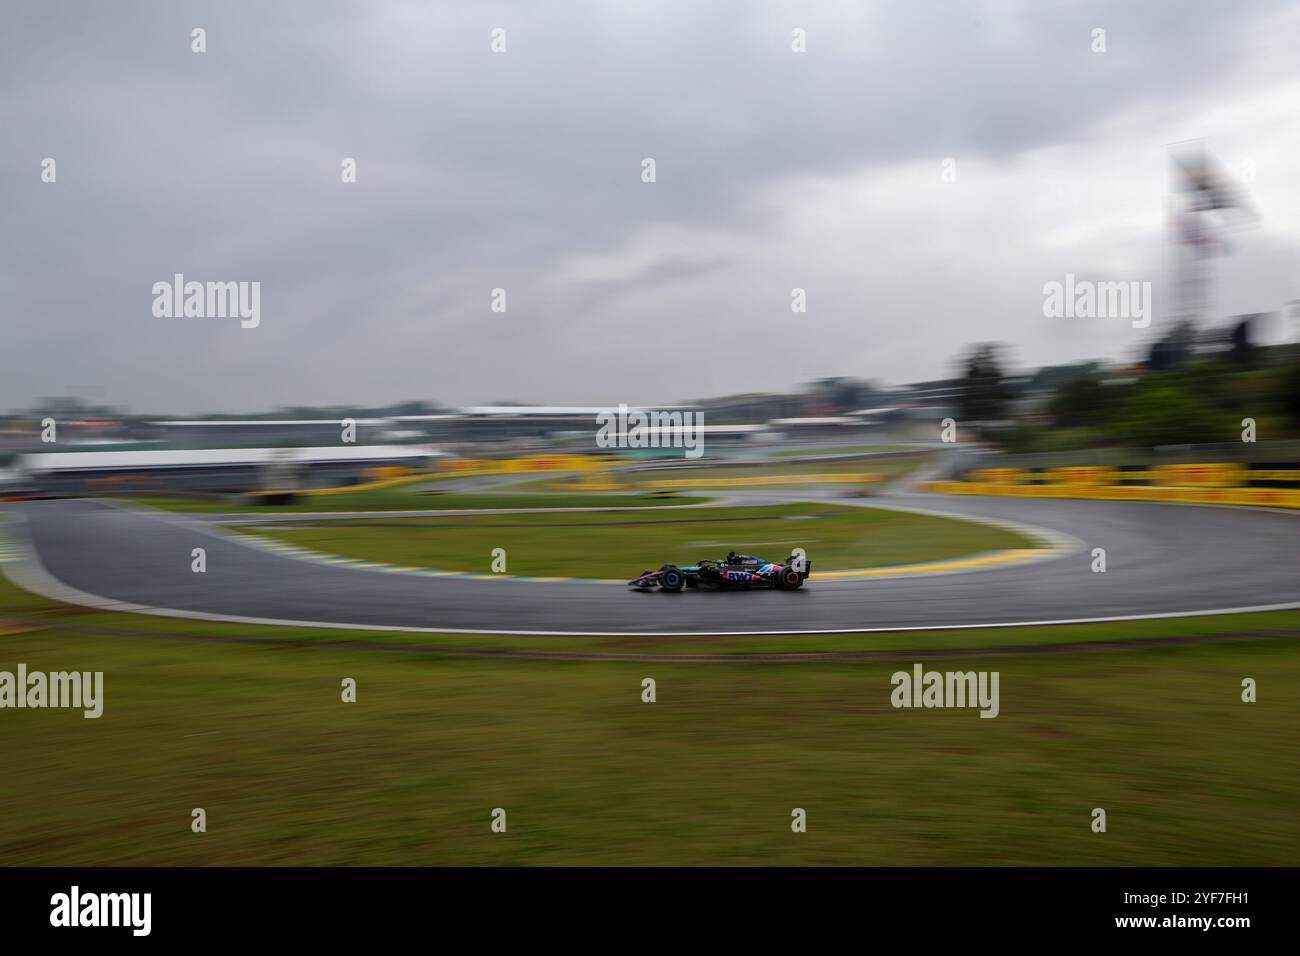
1162	560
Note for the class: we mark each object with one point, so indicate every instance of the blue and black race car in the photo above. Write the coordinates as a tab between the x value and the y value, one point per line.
742	571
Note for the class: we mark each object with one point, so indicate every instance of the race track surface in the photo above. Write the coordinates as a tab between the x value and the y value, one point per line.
1162	560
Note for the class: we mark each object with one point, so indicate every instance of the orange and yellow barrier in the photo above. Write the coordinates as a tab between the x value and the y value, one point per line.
528	464
1001	476
1191	494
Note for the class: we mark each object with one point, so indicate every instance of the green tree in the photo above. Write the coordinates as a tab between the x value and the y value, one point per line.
984	392
1289	394
1078	403
1166	411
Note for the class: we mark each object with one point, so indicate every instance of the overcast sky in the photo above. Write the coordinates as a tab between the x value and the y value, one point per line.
523	170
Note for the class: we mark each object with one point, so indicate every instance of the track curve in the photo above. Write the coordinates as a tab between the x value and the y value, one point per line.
1162	561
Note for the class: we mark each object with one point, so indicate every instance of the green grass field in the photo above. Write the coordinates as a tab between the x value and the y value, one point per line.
888	468
814	450
614	544
403	500
588	774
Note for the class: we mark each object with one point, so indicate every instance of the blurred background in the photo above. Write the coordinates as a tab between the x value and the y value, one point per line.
832	230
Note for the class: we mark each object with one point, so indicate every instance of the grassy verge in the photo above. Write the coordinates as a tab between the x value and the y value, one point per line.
892	467
599	545
814	450
588	774
888	468
406	500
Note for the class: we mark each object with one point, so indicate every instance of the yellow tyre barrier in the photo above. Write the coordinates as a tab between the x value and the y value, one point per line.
1267	497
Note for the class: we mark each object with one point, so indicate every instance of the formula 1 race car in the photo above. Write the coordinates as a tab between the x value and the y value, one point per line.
741	571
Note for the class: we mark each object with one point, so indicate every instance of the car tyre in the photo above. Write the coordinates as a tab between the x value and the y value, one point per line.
671	578
789	579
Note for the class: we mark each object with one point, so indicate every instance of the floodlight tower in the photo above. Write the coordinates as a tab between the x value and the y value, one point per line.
1204	203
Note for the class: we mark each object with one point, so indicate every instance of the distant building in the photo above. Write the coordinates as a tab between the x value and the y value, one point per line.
822	426
936	399
212	470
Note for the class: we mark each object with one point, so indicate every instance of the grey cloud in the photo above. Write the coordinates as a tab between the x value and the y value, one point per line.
479	171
